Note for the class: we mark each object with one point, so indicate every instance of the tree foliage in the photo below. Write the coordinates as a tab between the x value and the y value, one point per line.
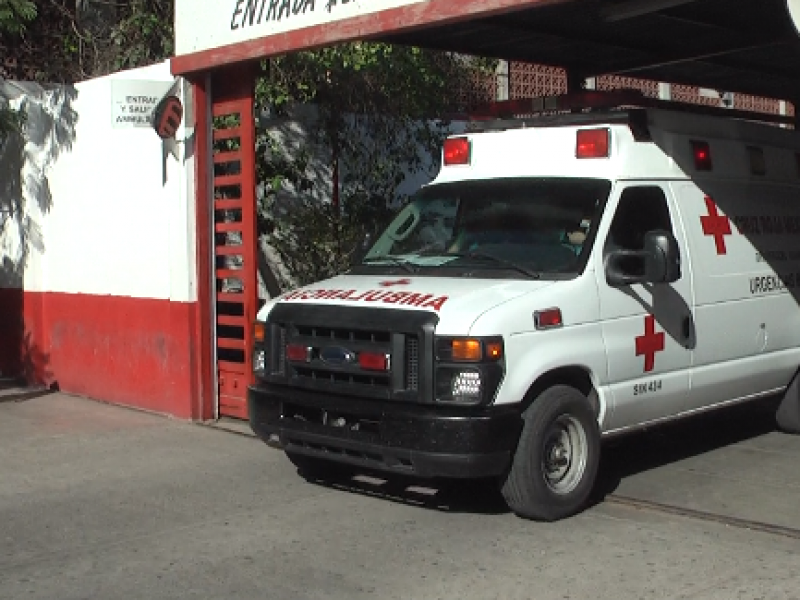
73	40
14	16
381	116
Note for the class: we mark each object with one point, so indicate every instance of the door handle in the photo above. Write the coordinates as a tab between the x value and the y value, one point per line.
687	327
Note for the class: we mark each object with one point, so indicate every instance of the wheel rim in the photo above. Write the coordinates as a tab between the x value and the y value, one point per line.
564	454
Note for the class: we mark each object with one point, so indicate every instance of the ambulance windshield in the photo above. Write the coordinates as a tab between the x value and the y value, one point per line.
530	224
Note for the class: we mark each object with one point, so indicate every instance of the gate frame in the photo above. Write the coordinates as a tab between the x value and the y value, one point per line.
238	86
204	408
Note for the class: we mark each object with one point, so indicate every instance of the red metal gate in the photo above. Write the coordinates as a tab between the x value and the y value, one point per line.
235	260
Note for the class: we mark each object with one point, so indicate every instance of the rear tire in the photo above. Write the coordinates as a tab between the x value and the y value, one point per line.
788	415
555	465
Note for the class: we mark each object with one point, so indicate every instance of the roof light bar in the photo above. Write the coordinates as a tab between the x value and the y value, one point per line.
457	151
593	100
702	156
593	143
589	99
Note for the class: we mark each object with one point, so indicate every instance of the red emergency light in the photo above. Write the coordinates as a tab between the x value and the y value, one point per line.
372	361
548	319
702	156
456	151
298	353
593	143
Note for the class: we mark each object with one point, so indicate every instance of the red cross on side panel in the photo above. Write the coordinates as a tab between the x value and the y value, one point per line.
716	225
649	344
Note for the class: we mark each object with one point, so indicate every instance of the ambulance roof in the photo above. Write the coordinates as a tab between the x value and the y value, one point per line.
653	144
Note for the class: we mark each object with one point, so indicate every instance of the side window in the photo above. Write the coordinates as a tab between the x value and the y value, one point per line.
641	209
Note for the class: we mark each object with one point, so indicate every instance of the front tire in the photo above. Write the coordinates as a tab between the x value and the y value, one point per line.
555	466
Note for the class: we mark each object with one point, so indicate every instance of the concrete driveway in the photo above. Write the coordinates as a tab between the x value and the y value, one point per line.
102	502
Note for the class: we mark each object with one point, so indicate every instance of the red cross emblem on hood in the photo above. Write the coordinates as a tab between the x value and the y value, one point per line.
395	282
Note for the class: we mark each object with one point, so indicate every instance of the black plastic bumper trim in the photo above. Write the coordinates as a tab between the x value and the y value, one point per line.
412	439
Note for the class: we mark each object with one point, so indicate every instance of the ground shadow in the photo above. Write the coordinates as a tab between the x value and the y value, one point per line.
455	496
622	458
674	442
26	157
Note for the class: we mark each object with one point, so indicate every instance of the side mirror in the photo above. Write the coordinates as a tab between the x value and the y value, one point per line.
662	257
659	262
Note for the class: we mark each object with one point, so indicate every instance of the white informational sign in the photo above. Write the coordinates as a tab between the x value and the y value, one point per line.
206	24
133	101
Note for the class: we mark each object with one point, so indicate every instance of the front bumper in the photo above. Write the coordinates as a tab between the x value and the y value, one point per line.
413	439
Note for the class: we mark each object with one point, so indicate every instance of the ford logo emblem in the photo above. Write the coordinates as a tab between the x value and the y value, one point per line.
337	356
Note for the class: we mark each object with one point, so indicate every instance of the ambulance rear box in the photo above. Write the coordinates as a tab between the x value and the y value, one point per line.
564	279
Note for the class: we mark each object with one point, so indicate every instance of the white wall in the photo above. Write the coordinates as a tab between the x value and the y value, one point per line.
110	214
205	24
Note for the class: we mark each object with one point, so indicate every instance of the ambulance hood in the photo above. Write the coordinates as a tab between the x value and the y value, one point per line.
457	301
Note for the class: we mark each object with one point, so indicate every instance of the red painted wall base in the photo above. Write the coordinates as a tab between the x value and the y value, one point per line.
131	351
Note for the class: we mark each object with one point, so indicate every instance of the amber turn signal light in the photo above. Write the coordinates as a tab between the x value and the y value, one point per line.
469	350
494	351
259	332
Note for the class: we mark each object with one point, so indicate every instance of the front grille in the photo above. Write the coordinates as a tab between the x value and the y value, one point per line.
343	335
329	344
337	377
278	350
317	372
402	350
412	363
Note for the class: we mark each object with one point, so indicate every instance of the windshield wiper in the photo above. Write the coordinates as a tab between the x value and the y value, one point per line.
398	262
509	263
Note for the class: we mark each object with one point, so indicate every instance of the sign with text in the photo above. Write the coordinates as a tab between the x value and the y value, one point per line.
206	24
133	101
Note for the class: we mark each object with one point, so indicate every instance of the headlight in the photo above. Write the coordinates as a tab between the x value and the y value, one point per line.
259	349
260	362
468	370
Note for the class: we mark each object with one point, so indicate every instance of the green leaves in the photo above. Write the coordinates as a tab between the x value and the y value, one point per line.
72	40
144	35
380	112
15	14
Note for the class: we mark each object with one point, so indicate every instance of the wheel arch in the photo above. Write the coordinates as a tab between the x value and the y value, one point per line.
576	376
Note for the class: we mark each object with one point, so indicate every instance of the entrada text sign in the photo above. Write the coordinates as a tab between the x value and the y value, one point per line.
206	24
247	13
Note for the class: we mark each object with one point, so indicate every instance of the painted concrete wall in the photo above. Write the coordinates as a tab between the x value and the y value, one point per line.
97	246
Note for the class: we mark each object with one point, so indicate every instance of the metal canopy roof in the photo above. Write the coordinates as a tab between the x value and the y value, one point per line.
746	46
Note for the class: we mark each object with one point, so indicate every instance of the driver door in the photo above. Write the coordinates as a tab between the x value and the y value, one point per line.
647	328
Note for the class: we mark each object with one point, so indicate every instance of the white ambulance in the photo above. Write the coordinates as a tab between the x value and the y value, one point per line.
565	278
